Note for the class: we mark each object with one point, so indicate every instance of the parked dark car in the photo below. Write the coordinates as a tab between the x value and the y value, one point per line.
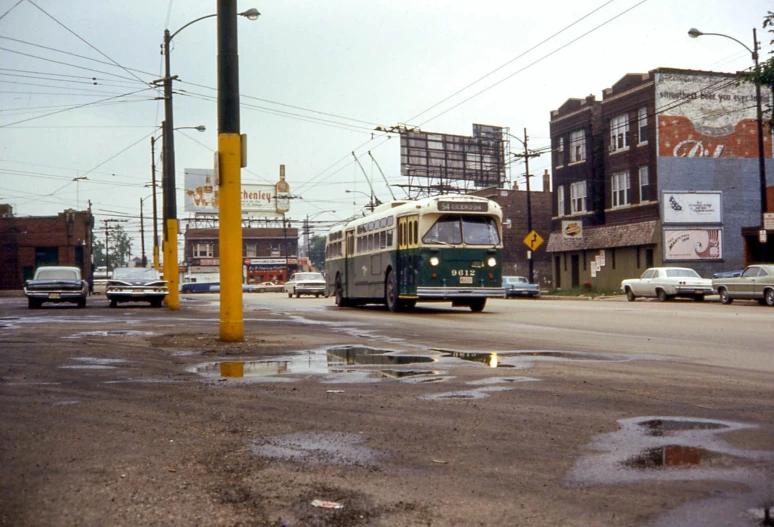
56	284
136	284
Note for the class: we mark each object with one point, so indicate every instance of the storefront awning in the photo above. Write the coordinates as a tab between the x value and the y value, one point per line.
605	237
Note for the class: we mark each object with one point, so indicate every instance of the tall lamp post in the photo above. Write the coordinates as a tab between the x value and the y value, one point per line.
168	179
308	230
526	155
370	197
695	33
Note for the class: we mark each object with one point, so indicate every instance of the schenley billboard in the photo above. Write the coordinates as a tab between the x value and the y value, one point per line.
202	194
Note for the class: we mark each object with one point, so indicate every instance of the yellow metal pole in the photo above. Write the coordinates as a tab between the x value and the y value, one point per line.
170	265
230	234
164	274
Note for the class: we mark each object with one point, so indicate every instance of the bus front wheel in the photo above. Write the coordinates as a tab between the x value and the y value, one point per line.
391	293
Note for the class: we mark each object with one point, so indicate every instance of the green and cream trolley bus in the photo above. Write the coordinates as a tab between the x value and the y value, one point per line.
444	248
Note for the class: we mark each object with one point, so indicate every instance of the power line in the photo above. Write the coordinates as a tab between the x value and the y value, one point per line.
11	9
76	35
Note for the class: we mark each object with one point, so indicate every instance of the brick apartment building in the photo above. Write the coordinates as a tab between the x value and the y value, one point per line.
662	171
270	252
31	241
514	206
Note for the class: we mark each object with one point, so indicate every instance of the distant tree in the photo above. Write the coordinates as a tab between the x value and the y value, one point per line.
765	76
317	252
119	248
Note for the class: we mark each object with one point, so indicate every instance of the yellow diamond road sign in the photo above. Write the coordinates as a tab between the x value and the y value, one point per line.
533	240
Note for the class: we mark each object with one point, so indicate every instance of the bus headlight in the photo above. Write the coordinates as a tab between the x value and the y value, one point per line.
434	261
491	262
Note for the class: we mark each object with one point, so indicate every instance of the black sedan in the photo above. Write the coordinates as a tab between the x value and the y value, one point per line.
56	284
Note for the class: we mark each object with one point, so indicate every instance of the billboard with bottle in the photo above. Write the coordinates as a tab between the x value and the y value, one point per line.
201	194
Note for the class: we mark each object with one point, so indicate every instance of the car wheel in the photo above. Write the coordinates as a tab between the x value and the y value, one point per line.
317	295
629	295
113	302
156	302
81	303
725	298
662	296
298	295
477	305
290	295
34	303
391	292
768	296
699	298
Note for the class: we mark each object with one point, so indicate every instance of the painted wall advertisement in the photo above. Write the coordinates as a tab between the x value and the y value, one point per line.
201	194
691	207
707	116
693	244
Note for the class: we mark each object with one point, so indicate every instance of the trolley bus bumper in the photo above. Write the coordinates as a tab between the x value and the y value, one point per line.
460	292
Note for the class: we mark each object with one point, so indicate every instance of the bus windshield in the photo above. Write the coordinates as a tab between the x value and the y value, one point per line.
451	229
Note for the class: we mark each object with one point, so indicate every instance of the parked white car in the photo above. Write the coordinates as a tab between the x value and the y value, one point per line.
305	284
666	283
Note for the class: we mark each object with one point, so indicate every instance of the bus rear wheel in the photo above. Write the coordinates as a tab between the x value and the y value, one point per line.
391	293
477	305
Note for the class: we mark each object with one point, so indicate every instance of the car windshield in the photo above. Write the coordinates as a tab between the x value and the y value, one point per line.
57	274
682	273
309	276
135	273
451	229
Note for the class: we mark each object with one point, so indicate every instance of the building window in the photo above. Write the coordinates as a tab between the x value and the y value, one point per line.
560	200
578	197
619	133
251	250
644	185
577	147
620	189
204	250
559	152
274	249
642	125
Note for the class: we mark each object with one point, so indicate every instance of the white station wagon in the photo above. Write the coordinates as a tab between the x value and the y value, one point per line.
666	283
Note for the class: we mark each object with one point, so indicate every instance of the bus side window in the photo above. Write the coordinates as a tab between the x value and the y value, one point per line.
415	237
389	238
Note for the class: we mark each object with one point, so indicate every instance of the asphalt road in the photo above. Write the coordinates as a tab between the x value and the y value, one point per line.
534	412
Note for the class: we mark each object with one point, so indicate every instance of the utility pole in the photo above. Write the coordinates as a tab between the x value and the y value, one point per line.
142	237
155	217
526	155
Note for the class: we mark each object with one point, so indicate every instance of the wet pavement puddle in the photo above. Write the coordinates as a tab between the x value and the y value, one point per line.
681	449
478	393
318	448
111	333
352	363
93	363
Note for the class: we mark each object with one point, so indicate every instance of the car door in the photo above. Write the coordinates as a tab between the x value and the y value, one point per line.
642	287
747	283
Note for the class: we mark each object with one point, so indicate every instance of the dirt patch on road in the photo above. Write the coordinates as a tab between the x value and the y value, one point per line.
210	344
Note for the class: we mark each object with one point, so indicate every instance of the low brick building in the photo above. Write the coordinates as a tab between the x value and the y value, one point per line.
31	241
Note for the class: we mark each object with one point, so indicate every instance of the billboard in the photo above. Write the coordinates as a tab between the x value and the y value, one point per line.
693	244
446	158
691	207
705	115
202	194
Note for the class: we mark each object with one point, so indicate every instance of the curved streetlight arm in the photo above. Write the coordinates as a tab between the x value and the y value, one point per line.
250	14
695	33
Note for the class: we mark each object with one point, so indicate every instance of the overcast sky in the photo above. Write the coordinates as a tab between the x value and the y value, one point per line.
316	78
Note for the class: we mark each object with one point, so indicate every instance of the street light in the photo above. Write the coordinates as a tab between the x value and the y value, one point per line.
695	33
168	178
370	204
200	128
526	155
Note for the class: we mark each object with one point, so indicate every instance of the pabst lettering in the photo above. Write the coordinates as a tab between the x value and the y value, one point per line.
694	148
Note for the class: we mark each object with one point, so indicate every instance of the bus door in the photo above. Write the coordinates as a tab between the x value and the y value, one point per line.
407	259
349	264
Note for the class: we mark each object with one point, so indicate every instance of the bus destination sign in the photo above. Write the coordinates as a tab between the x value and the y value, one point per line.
463	206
